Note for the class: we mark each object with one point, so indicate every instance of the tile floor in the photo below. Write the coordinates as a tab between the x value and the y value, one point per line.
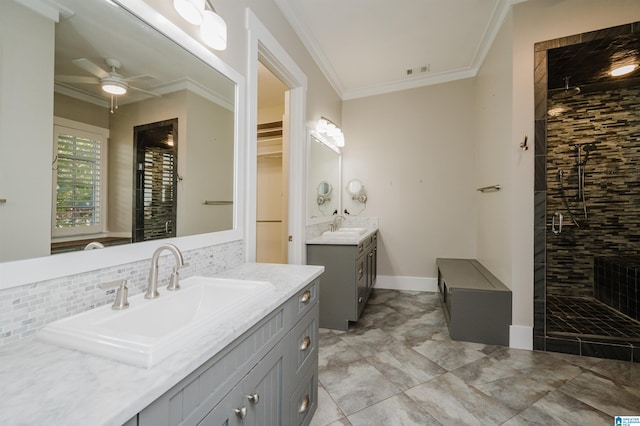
398	366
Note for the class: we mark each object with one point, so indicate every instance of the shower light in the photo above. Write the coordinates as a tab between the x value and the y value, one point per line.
626	69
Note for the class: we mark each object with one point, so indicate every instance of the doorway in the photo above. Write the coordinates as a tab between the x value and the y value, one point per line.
155	176
272	183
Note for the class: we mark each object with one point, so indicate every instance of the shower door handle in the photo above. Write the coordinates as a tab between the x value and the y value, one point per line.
553	223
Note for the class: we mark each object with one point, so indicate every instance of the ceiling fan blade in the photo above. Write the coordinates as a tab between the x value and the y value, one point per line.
139	77
89	66
144	91
76	79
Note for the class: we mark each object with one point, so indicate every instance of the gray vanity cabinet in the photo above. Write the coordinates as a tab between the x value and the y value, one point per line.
350	274
260	379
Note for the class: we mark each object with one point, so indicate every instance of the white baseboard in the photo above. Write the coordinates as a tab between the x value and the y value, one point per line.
407	283
521	337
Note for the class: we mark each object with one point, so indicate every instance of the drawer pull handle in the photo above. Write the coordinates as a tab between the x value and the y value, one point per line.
306	401
306	296
254	398
359	299
241	412
306	342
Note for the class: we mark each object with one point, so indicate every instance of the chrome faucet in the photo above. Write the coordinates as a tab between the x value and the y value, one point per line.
334	225
152	289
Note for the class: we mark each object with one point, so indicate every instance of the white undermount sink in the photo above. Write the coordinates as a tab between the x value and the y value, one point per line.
346	233
152	329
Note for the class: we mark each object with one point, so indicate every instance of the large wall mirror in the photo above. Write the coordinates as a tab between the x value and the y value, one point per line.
156	162
324	185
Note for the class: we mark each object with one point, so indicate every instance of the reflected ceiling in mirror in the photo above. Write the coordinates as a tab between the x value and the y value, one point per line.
324	172
100	42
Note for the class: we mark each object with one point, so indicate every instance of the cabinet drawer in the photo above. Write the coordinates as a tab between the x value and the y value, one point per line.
305	299
304	344
304	400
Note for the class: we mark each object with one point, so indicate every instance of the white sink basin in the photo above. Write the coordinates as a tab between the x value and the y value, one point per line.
360	231
345	233
150	330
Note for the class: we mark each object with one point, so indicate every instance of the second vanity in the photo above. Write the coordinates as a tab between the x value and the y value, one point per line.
261	370
350	274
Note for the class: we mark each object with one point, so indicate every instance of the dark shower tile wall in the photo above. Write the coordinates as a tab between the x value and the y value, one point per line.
542	339
610	120
616	283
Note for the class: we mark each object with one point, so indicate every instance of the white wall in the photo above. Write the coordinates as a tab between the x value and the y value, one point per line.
493	146
414	152
209	152
26	129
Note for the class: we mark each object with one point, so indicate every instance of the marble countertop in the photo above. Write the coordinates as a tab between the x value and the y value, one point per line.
329	239
45	384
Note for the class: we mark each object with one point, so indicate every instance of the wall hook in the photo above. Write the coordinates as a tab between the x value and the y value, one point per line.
523	145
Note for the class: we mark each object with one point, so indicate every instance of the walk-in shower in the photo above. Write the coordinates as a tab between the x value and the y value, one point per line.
587	198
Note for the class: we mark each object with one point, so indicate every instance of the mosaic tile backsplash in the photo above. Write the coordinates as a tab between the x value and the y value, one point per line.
26	309
609	120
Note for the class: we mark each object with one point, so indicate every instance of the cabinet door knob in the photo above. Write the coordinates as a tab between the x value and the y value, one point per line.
306	401
306	296
359	299
306	342
241	412
254	398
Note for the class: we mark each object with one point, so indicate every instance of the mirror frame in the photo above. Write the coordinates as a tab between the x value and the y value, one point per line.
21	272
316	220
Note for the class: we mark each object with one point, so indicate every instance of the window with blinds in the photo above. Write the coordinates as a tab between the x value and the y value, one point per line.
79	181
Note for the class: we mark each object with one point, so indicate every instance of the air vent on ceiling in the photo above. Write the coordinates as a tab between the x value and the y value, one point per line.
417	70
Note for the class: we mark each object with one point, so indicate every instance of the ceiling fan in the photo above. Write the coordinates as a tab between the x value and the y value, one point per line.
112	82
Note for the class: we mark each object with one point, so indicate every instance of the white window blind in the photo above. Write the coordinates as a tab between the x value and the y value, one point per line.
79	182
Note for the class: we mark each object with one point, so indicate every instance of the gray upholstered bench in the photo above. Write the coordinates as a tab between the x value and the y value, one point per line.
476	304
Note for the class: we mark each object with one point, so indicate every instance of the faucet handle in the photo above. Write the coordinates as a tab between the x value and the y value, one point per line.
174	280
121	301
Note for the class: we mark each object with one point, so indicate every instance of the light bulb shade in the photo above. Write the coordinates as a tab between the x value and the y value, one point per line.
213	30
190	10
114	86
339	140
321	126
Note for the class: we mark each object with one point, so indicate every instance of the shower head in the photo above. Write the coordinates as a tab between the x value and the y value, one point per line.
567	91
589	147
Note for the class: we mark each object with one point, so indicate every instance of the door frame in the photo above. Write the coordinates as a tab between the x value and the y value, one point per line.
264	47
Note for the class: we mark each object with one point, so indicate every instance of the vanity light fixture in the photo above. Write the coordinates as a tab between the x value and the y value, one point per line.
213	29
329	129
623	70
